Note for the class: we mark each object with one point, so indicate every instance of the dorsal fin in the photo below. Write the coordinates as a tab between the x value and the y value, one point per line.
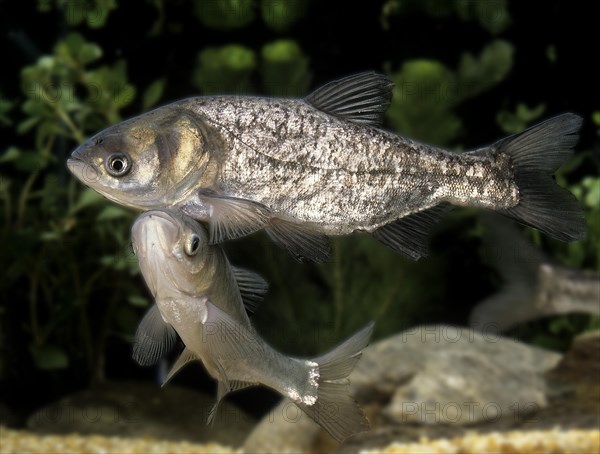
253	288
362	98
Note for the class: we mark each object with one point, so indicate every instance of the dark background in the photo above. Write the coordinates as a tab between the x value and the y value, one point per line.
84	335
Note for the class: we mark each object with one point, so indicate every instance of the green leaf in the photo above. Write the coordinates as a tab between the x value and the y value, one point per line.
153	93
280	15
5	107
87	197
30	161
111	212
10	155
592	198
96	17
139	301
225	69
477	75
513	123
285	69
26	125
49	357
224	14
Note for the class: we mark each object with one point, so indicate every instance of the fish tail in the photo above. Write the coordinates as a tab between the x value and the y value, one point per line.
535	154
335	410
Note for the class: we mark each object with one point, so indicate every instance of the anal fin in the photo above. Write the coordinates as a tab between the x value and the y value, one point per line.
410	235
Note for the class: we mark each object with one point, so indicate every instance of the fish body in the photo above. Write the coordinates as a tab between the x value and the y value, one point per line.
197	296
317	168
561	290
534	286
306	169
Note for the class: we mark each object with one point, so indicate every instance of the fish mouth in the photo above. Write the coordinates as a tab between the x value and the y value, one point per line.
83	171
154	235
155	229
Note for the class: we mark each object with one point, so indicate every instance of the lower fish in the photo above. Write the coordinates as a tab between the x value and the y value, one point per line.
198	298
534	286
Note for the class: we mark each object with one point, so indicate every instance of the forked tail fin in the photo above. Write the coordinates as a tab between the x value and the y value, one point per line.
335	410
535	154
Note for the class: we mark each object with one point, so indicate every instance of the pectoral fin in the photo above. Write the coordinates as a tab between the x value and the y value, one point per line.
302	241
253	288
410	235
362	98
154	338
231	217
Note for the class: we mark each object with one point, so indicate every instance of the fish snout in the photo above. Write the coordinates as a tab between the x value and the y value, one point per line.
86	173
154	230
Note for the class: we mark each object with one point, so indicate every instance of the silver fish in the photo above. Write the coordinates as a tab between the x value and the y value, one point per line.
534	287
197	296
306	169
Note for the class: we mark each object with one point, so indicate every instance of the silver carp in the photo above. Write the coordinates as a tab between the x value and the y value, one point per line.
307	169
197	297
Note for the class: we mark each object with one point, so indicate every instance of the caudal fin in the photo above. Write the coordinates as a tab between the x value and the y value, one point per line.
536	153
335	410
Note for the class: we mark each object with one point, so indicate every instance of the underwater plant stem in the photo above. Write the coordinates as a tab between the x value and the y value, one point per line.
22	205
81	298
98	372
387	302
33	312
86	336
7	209
75	131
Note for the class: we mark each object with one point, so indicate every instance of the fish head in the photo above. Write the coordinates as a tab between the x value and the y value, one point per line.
146	162
173	252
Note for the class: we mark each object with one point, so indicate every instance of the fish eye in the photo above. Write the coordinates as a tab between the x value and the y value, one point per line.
192	245
118	164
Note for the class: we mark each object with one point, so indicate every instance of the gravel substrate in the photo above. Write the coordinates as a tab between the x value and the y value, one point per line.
551	441
16	441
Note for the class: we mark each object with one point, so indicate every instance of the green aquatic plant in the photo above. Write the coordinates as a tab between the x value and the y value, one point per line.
427	93
48	221
70	285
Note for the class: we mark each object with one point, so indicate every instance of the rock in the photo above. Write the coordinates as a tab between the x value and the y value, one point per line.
144	410
285	429
453	375
574	387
